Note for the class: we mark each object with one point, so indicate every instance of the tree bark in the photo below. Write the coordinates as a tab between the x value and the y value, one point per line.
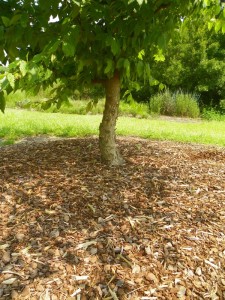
107	137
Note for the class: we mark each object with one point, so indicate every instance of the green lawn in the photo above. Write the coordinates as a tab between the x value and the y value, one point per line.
15	124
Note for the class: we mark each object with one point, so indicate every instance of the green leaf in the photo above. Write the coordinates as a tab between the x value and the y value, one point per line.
66	20
4	84
59	104
210	25
126	93
1	33
48	74
13	65
52	47
120	63
46	104
154	82
2	101
2	55
11	80
115	47
76	10
135	85
68	49
147	70
217	10
23	67
140	2
6	21
140	68
159	56
63	98
15	19
161	86
74	33
53	58
37	58
206	2
127	67
24	20
89	106
130	98
72	37
223	27
141	54
76	2
13	51
81	65
109	67
218	25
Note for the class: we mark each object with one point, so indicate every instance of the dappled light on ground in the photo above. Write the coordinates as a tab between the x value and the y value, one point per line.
152	229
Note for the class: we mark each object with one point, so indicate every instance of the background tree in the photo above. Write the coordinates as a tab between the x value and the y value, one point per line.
194	62
92	41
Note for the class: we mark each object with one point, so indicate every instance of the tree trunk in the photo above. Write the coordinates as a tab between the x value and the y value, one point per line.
107	137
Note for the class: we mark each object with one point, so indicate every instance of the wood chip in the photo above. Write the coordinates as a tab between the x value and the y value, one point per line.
9	281
153	237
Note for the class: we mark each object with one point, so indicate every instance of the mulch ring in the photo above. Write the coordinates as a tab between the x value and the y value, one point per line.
73	228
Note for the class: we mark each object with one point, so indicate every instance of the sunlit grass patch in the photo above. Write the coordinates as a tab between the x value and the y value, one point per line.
16	124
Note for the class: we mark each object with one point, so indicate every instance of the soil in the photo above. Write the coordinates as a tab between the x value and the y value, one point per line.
73	228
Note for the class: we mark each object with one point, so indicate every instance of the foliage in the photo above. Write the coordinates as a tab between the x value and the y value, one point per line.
79	104
186	105
80	107
212	114
160	103
143	94
167	103
134	109
222	105
174	104
194	61
88	41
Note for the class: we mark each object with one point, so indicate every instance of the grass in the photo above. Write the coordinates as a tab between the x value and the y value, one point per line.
177	104
21	100
79	107
16	124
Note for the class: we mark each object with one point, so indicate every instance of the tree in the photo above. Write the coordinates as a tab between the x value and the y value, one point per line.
194	61
91	41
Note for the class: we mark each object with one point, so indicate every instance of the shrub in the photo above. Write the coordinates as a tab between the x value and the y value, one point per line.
175	104
134	109
162	103
211	114
222	105
186	105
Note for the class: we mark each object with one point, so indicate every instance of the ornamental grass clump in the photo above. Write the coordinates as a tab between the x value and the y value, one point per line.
178	104
186	105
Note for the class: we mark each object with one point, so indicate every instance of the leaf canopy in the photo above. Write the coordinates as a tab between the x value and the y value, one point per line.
77	41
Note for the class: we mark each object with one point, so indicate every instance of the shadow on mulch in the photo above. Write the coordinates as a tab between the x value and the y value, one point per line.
64	214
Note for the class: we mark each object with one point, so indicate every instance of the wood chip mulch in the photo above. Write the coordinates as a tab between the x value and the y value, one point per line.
73	228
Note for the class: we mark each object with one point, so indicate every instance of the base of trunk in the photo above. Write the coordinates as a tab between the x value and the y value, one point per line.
110	154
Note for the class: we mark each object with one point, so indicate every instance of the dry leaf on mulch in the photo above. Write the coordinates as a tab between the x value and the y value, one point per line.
72	228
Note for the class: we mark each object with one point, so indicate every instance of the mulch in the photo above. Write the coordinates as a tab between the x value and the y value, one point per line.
73	228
